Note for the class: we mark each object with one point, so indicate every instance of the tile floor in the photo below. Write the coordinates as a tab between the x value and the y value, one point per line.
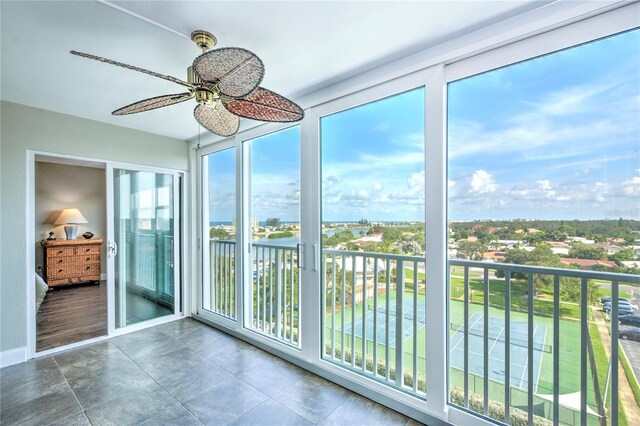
180	373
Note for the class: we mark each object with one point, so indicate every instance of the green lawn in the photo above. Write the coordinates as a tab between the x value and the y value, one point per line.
604	291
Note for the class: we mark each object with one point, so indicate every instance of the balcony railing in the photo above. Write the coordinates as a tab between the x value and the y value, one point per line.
527	344
274	297
532	347
374	320
220	294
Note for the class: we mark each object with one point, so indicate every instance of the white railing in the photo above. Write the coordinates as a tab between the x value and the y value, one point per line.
526	343
374	321
274	297
221	292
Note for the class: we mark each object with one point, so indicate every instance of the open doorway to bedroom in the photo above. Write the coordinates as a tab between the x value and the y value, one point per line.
70	251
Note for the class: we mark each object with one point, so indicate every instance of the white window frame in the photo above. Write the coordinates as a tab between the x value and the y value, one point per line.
521	38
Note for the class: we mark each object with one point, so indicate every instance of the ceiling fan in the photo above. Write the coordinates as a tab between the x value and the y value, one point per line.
225	84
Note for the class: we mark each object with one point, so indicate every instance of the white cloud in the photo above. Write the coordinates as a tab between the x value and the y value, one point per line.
482	182
631	187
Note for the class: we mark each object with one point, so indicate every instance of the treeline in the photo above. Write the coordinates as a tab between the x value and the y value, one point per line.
552	230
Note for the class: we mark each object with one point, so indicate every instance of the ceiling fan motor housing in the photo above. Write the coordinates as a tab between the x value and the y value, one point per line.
206	97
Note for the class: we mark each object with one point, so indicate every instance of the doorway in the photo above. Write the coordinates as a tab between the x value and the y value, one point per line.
71	289
107	250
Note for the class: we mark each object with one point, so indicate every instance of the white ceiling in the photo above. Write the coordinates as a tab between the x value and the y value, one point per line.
305	46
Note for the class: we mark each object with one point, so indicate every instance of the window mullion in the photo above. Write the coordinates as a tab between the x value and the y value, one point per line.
436	244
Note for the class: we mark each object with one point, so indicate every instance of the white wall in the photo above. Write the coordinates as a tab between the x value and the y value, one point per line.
23	128
60	186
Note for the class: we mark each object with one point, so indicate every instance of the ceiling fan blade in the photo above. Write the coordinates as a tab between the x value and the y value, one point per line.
153	103
236	71
265	105
134	68
217	119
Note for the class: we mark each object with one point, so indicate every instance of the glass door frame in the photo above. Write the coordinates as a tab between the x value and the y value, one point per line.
239	142
179	269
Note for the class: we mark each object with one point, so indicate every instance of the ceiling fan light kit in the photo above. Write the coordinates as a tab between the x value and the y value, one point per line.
225	83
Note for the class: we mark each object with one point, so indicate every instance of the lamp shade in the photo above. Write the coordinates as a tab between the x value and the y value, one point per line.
70	216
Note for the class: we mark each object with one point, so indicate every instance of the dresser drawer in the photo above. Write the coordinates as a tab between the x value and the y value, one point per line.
93	249
60	251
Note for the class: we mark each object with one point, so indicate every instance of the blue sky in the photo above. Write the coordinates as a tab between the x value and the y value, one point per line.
556	137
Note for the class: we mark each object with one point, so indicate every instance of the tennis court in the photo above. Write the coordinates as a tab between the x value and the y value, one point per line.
407	322
496	337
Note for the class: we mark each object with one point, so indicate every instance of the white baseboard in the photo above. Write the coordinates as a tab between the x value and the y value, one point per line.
13	356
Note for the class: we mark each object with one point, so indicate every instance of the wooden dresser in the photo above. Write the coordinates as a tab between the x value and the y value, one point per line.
71	261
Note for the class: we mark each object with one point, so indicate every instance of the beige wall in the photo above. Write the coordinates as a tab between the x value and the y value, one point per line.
23	128
60	186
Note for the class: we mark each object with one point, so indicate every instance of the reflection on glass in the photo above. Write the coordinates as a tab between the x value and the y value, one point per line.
219	183
144	234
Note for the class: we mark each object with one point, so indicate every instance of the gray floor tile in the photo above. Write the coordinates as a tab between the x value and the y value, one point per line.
271	413
312	397
175	363
241	358
79	419
134	343
30	385
85	371
99	353
97	389
272	377
179	417
133	407
413	422
33	368
180	327
196	381
41	410
212	346
357	410
225	402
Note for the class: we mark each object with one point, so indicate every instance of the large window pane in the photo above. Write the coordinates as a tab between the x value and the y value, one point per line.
543	171
273	291
373	240
219	183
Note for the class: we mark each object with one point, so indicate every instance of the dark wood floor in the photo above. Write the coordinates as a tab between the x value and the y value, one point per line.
71	314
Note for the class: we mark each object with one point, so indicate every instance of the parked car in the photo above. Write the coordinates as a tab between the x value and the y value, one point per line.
620	304
630	334
605	299
633	320
622	310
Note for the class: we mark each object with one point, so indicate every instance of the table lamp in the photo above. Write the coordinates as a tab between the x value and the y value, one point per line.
69	218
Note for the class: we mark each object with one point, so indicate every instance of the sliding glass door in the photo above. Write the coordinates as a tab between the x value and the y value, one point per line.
273	195
144	245
251	235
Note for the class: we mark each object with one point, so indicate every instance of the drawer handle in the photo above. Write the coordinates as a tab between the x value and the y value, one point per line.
88	250
88	267
60	252
88	259
60	270
60	261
